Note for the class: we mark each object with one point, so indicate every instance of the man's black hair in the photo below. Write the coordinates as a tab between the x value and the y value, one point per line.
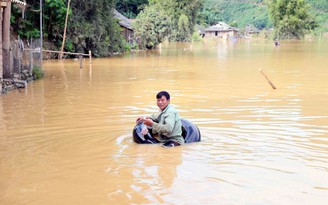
160	94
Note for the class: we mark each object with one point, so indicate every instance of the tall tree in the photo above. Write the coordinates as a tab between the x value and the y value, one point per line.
130	8
167	19
93	27
151	26
183	14
212	12
291	18
27	25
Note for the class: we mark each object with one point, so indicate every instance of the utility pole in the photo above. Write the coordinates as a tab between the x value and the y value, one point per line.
64	36
41	36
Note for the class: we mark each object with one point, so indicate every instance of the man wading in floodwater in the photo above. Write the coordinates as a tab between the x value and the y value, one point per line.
167	123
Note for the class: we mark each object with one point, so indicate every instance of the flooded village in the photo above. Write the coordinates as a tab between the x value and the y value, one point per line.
69	102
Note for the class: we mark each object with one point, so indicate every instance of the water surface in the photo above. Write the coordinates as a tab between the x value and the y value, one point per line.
66	139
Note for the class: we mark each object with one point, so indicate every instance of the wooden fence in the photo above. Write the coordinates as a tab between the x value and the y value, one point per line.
80	55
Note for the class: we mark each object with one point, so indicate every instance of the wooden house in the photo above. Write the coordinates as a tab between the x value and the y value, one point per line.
125	23
251	30
221	30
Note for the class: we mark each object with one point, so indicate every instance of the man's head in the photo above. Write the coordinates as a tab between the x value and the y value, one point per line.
163	99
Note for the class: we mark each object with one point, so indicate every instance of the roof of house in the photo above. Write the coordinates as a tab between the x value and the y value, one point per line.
251	29
221	26
123	21
200	29
19	2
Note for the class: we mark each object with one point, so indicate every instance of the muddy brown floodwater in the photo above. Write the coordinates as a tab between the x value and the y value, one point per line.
66	139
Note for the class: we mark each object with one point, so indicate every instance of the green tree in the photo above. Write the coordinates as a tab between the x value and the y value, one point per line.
211	12
27	23
130	8
151	27
183	15
291	18
320	11
93	27
171	19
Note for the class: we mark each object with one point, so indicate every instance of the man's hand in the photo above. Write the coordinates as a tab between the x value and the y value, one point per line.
139	120
148	121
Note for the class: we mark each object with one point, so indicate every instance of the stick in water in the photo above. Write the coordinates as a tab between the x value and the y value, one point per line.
266	77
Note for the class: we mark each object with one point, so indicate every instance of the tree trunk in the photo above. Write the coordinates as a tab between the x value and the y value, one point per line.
7	70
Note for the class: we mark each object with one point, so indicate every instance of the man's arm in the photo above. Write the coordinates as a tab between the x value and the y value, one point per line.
167	127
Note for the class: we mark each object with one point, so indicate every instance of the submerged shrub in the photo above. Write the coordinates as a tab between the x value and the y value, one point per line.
37	72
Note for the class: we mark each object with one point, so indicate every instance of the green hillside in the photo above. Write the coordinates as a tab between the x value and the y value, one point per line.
320	11
244	12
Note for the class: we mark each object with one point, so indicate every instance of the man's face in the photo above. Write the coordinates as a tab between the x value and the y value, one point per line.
162	102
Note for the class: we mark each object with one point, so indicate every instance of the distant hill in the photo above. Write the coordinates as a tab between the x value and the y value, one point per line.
244	12
320	11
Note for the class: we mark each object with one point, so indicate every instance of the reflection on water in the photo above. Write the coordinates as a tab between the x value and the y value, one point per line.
67	138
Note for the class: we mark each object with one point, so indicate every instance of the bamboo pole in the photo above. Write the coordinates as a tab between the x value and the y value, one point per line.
50	51
81	60
31	58
266	77
41	32
64	36
90	57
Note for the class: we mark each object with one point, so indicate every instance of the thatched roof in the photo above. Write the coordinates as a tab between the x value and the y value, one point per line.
123	21
221	26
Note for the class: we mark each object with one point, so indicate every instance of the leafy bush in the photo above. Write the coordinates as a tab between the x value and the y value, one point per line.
166	19
37	72
196	37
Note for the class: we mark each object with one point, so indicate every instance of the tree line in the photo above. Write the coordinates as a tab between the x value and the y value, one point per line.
91	25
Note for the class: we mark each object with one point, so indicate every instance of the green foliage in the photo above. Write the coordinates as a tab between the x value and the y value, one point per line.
183	23
291	18
69	46
28	27
151	26
211	12
240	12
319	5
234	24
255	12
54	13
37	72
183	15
130	8
196	37
166	19
245	13
319	9
93	27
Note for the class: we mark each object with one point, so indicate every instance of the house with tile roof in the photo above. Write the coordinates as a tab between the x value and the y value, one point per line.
221	30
